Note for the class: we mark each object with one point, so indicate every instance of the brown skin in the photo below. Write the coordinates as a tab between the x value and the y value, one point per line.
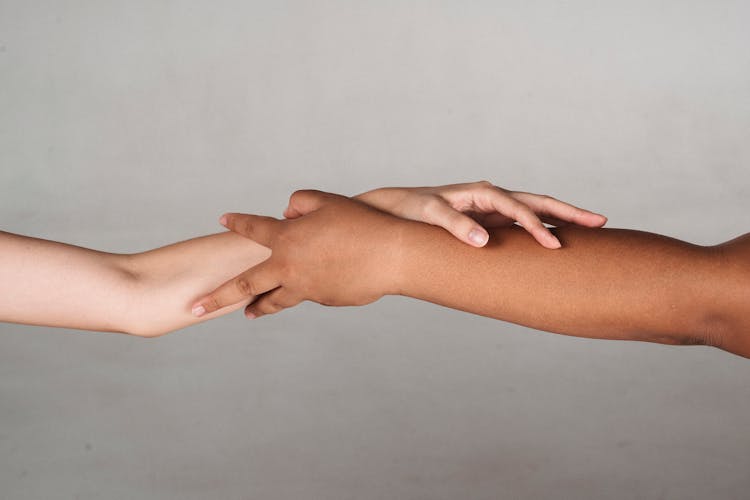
603	283
148	294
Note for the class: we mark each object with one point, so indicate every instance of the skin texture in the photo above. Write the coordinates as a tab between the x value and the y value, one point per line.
603	283
149	294
146	294
468	210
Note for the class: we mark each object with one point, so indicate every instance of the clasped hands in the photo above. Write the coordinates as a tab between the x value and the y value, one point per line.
341	251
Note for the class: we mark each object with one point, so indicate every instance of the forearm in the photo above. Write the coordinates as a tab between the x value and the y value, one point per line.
603	283
171	278
55	284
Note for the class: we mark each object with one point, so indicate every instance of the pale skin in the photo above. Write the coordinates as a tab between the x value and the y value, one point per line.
603	283
147	294
151	293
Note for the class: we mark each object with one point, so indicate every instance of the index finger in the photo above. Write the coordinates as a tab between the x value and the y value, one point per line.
251	283
258	228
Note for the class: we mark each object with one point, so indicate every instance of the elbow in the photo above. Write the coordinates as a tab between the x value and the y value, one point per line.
710	329
730	332
151	322
721	310
144	328
145	332
724	332
141	313
706	304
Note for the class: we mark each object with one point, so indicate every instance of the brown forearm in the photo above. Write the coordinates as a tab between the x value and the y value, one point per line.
603	283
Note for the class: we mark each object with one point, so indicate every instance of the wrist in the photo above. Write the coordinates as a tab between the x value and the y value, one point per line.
404	240
419	252
368	196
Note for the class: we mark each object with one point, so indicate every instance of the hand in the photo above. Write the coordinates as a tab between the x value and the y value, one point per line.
466	209
342	252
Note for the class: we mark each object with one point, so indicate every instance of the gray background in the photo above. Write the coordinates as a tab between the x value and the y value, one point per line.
128	125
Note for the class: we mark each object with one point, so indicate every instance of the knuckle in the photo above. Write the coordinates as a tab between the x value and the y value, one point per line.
247	227
528	217
300	193
548	202
298	197
268	307
492	192
274	305
244	286
519	210
484	184
430	206
213	303
537	223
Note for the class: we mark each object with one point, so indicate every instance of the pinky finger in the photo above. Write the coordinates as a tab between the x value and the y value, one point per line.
553	221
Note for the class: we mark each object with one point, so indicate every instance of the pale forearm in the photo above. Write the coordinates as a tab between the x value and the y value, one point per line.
169	279
603	283
50	283
55	284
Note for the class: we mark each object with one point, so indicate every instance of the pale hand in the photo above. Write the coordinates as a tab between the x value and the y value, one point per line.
466	209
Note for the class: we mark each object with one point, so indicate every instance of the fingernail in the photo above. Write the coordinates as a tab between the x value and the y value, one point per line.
553	240
199	310
478	237
223	220
249	315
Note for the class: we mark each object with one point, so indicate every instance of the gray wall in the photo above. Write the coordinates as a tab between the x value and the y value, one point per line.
128	125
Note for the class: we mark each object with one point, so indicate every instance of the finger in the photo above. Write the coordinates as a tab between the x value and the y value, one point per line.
303	202
494	219
253	282
258	228
555	222
271	303
510	207
552	207
439	213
